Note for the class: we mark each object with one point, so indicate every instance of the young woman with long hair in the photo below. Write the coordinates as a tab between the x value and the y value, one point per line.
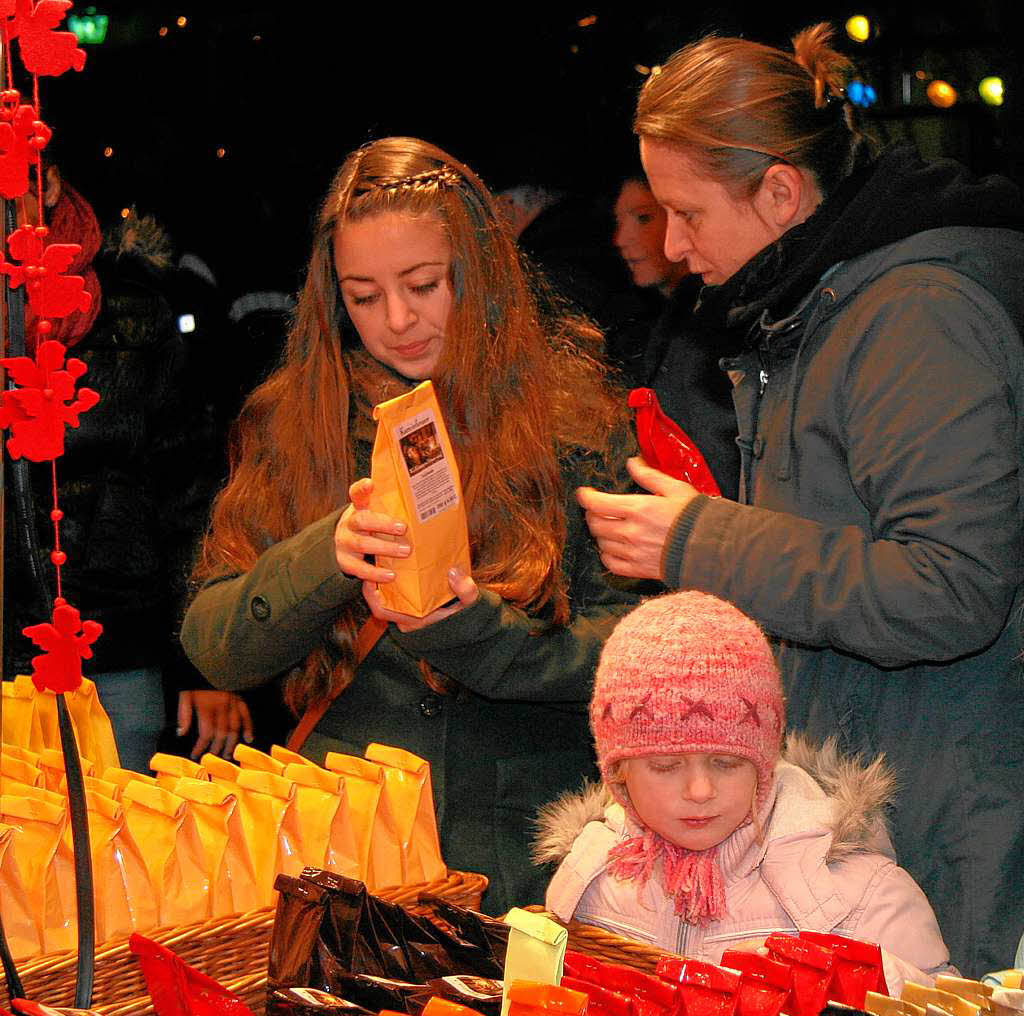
414	276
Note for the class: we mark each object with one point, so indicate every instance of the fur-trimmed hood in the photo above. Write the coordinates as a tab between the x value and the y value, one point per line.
857	791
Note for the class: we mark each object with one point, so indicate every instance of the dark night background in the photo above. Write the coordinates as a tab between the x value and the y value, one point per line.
521	93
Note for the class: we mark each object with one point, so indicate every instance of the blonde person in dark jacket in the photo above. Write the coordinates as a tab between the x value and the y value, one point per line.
879	532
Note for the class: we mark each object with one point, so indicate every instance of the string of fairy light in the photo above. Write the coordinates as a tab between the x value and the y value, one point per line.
920	86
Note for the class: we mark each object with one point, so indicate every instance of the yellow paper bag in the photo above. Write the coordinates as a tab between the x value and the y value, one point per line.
24	934
98	786
408	788
536	950
164	827
123	893
271	827
289	757
416	479
45	862
973	991
21	723
919	994
51	765
15	771
379	850
170	768
220	770
233	883
252	758
328	835
883	1005
93	729
18	751
121	778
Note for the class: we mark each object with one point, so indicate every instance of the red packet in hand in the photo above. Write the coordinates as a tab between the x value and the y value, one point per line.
666	446
178	989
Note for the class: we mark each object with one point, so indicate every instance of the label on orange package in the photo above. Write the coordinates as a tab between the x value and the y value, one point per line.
416	479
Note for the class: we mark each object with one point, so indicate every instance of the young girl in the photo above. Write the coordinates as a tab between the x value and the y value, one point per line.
704	839
414	276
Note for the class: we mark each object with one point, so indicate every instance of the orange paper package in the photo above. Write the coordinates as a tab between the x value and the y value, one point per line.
329	838
416	479
380	854
233	884
24	935
123	894
163	826
321	807
408	787
45	862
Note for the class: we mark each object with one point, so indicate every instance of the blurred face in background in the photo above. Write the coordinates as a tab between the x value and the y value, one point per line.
640	237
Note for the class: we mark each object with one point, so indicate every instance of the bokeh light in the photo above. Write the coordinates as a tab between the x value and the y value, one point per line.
991	90
941	93
858	28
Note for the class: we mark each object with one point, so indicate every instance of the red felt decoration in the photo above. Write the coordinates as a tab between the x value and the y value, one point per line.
50	294
38	411
178	989
44	50
22	136
65	643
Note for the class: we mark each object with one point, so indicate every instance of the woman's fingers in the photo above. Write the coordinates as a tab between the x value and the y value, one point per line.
466	591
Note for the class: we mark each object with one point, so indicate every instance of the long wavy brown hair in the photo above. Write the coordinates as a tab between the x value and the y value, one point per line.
519	381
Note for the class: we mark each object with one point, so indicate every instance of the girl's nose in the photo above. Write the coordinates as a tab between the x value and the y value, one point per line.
401	316
697	786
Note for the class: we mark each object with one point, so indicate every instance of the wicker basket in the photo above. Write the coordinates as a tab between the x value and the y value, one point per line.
606	946
232	950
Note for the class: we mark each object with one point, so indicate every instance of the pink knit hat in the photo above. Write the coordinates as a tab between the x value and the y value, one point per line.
688	672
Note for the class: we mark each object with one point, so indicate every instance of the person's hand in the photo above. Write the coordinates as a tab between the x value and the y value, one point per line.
221	719
360	532
461	585
631	529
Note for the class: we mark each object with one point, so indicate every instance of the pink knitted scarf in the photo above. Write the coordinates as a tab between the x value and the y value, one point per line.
692	877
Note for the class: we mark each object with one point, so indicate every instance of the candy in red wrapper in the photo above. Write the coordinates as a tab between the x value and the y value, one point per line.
603	1001
765	984
585	967
666	446
704	989
857	969
641	987
812	966
178	989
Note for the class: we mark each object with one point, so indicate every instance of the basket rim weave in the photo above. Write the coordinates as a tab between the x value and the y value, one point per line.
232	949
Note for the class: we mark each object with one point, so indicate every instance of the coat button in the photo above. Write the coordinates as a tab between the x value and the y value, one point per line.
758	447
259	607
431	705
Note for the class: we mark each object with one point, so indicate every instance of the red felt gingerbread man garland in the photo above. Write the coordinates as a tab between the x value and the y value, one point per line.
46	399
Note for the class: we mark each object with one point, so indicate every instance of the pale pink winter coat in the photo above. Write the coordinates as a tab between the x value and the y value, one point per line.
825	864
